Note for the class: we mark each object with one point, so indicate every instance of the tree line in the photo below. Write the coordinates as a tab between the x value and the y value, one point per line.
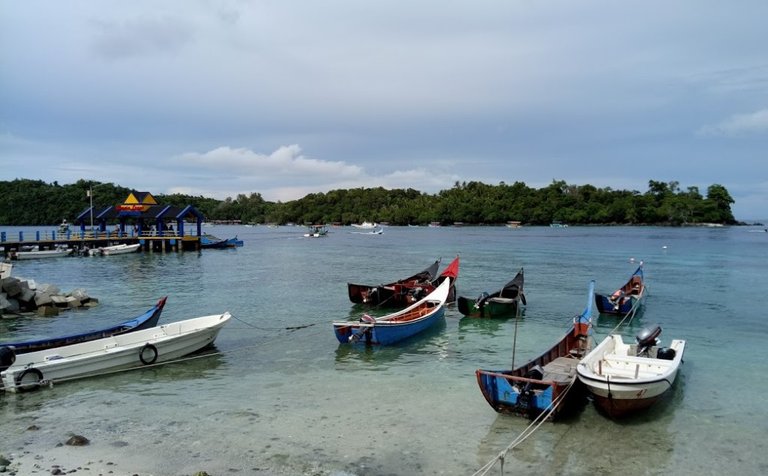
34	202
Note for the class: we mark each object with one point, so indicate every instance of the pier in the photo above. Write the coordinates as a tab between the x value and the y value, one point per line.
165	241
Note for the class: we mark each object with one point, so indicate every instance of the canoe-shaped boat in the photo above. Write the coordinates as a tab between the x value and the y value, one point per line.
406	291
35	254
397	326
144	321
502	303
627	378
547	383
391	294
125	351
626	299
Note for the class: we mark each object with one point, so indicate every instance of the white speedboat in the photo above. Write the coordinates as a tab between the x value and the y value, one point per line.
38	253
626	378
133	350
119	249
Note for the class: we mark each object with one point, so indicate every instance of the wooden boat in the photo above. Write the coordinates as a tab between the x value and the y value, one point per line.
37	253
502	303
627	299
316	231
546	384
627	378
124	351
144	321
405	291
397	326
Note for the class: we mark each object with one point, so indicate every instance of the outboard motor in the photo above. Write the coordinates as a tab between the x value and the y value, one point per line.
647	338
525	399
666	353
7	357
481	298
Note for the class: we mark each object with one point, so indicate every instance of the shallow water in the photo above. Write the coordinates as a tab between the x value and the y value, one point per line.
274	399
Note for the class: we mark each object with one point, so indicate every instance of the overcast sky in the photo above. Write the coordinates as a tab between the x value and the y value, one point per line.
286	98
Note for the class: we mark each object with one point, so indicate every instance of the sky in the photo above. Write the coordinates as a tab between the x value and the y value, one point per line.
290	97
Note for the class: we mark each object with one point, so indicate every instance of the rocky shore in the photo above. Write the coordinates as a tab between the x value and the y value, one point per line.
24	297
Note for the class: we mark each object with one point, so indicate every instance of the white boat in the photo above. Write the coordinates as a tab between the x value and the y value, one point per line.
120	249
626	378
135	349
366	225
37	253
316	231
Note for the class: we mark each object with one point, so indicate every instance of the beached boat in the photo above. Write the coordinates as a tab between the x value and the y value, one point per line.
316	231
546	384
505	302
625	300
397	326
626	378
144	321
38	253
406	291
124	351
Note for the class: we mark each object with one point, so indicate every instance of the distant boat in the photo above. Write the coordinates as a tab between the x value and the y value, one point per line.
502	303
210	241
623	378
514	224
365	225
144	321
133	350
547	383
120	249
316	231
627	299
397	326
557	224
37	253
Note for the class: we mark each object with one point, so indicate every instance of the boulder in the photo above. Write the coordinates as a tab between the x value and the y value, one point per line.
47	311
42	299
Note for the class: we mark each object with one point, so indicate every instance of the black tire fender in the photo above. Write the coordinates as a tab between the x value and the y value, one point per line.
22	385
152	352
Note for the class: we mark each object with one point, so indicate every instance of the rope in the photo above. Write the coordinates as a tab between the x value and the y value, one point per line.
528	431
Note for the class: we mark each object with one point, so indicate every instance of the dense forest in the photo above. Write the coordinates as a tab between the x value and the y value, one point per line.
34	202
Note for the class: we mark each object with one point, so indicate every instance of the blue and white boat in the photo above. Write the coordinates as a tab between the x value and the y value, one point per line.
397	326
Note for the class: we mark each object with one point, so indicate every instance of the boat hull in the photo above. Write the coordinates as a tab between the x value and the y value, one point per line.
493	308
134	350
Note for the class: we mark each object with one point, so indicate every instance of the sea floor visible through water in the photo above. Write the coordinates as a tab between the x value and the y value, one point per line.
279	395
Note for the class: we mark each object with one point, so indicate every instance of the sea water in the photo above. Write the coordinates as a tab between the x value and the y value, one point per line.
279	394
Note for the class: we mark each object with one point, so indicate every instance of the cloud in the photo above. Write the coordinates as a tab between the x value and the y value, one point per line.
739	124
140	36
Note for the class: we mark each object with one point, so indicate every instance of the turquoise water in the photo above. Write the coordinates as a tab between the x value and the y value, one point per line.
281	396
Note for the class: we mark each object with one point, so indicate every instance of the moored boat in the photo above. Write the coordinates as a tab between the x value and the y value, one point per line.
627	378
120	249
399	325
625	300
405	291
124	351
144	321
38	253
505	302
545	384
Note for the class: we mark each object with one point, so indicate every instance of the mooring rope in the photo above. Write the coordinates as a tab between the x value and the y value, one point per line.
528	431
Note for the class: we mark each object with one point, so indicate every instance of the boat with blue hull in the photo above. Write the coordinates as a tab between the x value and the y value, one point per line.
547	384
145	321
625	300
397	326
